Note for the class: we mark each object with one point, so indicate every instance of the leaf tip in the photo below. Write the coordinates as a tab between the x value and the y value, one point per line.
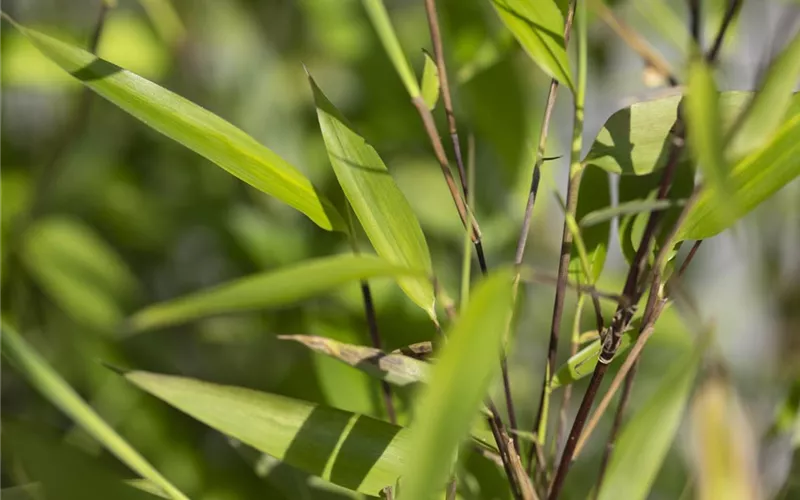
116	369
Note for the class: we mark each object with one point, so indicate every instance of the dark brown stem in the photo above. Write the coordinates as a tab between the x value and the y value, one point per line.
733	9
577	426
689	258
375	338
501	439
438	54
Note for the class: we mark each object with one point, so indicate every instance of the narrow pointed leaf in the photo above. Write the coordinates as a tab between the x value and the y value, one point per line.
62	471
430	82
78	270
396	369
380	206
627	208
636	140
762	117
584	361
450	403
705	136
351	450
383	26
57	391
539	28
723	448
270	289
196	128
752	180
654	424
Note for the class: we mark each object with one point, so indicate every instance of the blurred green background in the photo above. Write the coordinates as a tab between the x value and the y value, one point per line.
121	217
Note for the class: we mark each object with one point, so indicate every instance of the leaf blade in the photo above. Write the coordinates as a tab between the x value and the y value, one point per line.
269	289
450	402
383	26
378	203
354	451
430	82
194	127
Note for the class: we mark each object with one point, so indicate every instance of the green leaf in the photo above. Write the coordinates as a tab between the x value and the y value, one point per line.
630	207
594	195
430	82
58	392
383	26
752	180
196	128
583	362
270	289
539	28
63	472
348	449
654	424
396	369
380	206
448	406
78	270
705	136
760	120
636	140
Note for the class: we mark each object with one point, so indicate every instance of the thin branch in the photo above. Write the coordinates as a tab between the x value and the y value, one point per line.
576	332
374	335
635	42
438	53
733	9
689	258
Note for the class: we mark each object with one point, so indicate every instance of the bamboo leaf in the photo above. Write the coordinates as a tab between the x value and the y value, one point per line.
449	404
430	82
539	28
595	194
383	26
705	136
348	449
655	423
752	180
64	472
636	139
760	120
78	270
584	361
396	369
380	206
630	207
270	289
196	128
723	448
58	392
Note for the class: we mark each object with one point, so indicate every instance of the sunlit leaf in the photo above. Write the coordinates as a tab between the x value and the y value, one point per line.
636	139
383	26
270	289
762	116
584	361
723	449
627	208
78	270
655	424
450	403
396	369
705	136
594	195
430	82
62	471
57	391
752	180
194	127
380	206
539	28
351	450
